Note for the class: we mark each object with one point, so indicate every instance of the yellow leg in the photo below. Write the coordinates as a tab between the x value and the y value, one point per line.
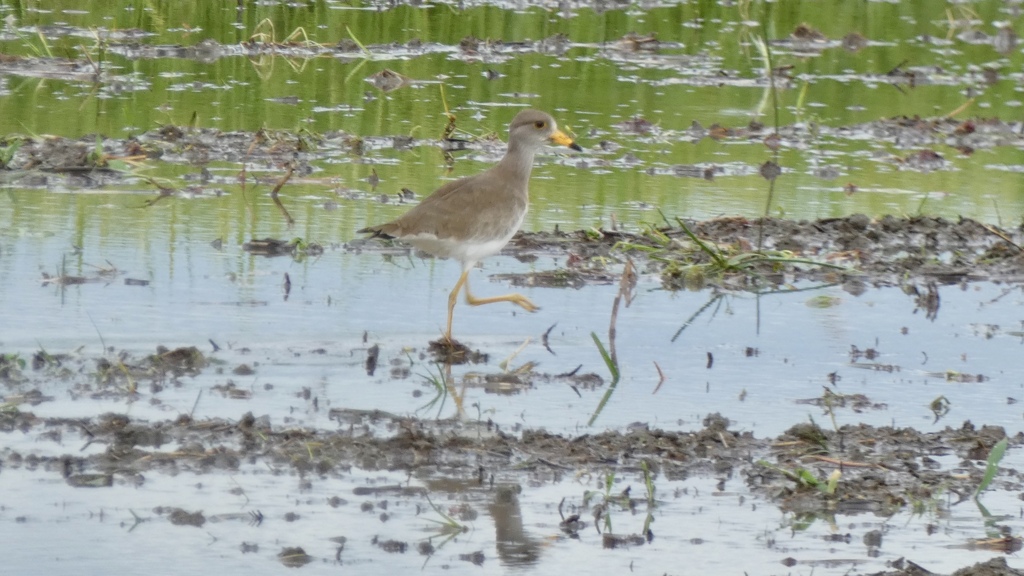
514	298
452	297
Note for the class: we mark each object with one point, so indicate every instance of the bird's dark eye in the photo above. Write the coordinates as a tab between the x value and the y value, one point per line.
540	123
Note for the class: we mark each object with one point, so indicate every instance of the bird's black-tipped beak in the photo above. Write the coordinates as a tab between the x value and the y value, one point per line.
561	139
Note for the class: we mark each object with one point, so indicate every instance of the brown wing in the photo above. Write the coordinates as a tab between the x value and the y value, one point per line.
459	208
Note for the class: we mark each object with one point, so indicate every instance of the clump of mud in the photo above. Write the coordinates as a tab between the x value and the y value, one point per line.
750	253
882	469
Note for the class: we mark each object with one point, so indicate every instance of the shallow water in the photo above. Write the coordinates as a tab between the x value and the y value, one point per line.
767	352
126	528
493	58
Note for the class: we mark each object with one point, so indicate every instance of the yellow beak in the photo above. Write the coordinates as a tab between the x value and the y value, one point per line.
561	139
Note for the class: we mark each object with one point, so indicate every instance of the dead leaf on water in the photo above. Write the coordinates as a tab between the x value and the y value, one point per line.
1005	41
770	170
387	80
854	42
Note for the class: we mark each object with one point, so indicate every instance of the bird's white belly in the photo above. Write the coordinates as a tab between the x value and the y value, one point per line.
461	250
465	250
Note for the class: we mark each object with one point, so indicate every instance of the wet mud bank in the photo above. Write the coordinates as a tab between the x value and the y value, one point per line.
856	250
881	469
808	472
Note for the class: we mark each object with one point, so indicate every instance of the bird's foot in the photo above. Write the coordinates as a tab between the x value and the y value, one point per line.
523	302
517	299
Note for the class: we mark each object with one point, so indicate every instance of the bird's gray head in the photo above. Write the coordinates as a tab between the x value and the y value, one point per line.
534	128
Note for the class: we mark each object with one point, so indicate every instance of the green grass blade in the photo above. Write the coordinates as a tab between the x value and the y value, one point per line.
614	369
994	457
713	253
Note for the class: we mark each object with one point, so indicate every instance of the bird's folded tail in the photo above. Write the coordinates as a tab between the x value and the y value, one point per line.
375	232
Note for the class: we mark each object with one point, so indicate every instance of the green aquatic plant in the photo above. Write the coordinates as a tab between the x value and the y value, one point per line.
651	502
366	52
606	499
694	262
307	140
930	502
830	400
11	366
627	283
12	358
39	50
991	467
605	502
940	407
438	383
613	368
824	301
995	456
100	45
265	33
648	482
447	529
805	478
744	261
7	151
449	526
98	158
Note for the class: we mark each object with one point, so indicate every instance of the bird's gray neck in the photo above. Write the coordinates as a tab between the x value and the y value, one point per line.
518	161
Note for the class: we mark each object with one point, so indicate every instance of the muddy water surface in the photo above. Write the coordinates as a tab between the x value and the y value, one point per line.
921	355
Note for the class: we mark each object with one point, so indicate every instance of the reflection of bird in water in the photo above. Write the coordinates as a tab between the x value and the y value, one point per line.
514	546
